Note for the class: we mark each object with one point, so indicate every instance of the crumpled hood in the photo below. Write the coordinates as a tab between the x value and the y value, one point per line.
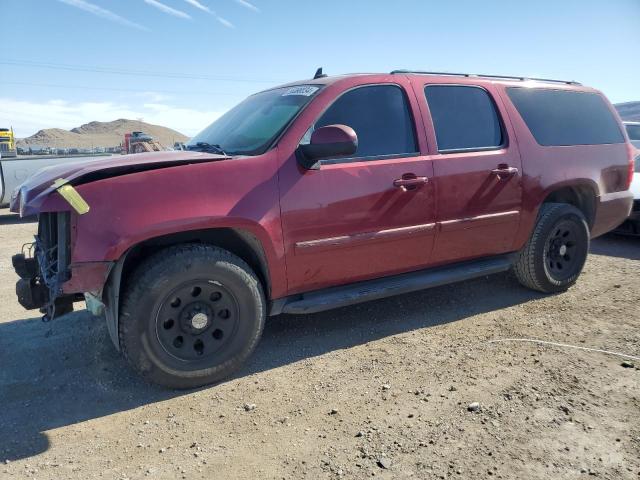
28	197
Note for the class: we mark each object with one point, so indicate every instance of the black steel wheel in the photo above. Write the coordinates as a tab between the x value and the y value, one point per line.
554	256
197	319
561	250
191	315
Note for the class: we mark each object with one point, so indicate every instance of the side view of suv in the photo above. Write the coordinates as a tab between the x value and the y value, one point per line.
320	194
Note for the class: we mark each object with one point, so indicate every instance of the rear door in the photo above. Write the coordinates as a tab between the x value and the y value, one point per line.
477	171
352	219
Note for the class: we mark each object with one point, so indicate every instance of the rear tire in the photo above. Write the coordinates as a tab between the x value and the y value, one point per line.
554	256
191	315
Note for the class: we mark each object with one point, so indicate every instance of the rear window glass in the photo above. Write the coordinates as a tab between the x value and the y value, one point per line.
559	117
464	118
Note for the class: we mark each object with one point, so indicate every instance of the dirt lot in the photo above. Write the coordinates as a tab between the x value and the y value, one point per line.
379	390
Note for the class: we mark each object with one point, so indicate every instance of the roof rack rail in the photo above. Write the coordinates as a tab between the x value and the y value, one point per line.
469	75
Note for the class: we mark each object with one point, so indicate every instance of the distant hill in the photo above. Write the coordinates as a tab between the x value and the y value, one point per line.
100	134
629	111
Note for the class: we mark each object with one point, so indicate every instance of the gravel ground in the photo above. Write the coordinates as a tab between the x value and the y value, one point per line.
404	387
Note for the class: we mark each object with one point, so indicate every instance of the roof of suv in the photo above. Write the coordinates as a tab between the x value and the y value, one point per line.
463	78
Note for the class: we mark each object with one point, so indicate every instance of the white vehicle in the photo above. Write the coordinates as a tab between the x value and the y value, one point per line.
633	130
632	224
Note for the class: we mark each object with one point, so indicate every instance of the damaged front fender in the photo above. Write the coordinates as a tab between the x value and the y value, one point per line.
32	194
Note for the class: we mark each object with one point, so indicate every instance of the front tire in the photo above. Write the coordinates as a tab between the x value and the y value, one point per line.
554	256
191	315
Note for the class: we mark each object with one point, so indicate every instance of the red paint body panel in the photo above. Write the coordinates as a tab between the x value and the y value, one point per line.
343	222
478	212
87	277
602	168
126	210
354	200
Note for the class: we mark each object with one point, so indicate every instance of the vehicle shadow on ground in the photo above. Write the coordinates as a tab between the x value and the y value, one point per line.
67	371
14	219
614	245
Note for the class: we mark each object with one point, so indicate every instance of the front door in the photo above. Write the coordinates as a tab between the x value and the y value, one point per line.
358	218
477	170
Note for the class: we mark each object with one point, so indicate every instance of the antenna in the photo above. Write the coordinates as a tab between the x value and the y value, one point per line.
319	74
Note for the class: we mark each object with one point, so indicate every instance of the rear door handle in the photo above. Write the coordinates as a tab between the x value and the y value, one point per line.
409	182
504	171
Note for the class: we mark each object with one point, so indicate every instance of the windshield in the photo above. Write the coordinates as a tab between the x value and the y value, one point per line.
250	127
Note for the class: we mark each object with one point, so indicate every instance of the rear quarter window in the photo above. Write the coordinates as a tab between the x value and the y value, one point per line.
561	117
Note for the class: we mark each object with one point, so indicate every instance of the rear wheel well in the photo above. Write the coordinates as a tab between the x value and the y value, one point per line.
237	241
581	197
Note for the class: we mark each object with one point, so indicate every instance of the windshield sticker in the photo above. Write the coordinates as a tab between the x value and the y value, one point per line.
304	90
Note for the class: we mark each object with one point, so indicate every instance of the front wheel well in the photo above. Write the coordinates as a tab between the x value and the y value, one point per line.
240	242
582	197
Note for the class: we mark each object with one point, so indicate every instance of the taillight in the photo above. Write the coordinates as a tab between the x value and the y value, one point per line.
632	152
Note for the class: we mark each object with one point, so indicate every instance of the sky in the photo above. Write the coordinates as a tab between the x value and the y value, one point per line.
182	63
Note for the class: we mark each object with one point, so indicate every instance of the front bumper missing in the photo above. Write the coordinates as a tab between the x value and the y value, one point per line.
31	294
43	266
30	291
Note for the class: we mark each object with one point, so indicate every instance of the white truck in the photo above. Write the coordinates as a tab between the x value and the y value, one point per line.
632	224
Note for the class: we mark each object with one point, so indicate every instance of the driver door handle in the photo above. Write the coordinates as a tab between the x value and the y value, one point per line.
504	171
409	181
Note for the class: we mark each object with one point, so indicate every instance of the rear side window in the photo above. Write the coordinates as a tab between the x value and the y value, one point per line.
464	118
379	115
560	117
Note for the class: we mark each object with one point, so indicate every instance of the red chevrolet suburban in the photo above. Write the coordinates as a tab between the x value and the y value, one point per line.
320	194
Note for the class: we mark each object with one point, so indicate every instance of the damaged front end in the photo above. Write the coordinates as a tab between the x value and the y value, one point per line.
43	267
52	274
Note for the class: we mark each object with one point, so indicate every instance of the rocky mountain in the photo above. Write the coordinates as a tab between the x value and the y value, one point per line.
100	134
629	111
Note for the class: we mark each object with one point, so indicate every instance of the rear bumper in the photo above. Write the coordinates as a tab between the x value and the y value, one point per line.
612	210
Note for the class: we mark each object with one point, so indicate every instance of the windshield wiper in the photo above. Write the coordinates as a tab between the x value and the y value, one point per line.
207	147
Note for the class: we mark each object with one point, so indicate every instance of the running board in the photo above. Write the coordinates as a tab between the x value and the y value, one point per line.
360	292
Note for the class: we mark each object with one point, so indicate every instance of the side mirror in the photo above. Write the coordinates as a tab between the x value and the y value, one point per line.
327	142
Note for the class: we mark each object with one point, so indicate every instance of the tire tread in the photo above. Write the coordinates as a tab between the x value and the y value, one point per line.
525	266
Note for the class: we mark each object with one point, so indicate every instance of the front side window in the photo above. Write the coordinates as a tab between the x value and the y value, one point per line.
464	118
379	114
251	127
